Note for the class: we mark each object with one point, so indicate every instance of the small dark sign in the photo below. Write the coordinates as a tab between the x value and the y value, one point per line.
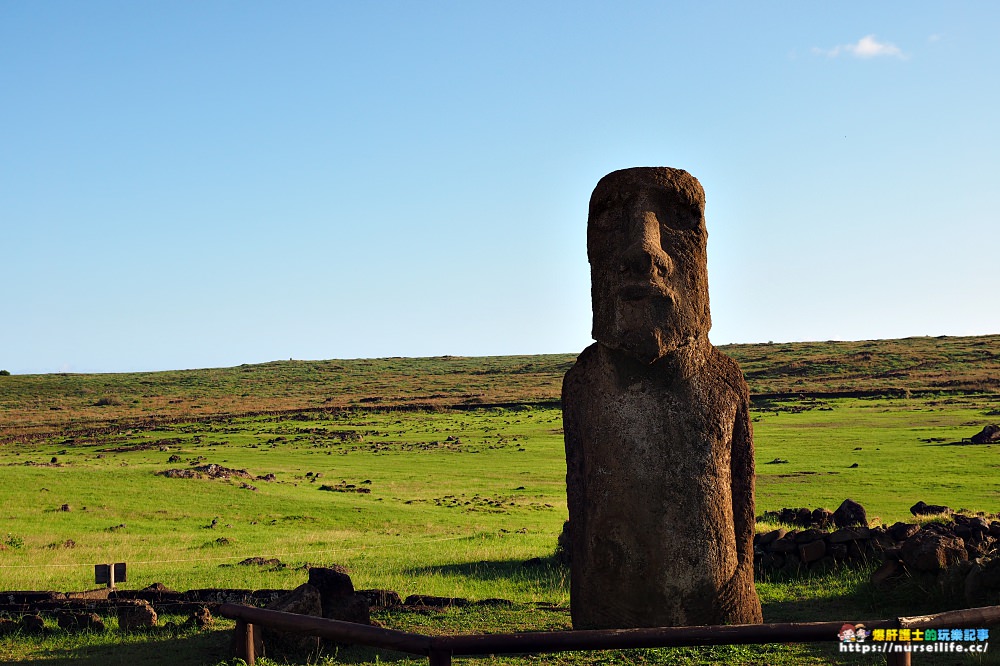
109	574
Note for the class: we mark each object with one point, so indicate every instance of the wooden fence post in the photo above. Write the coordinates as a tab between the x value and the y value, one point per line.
243	640
897	659
440	658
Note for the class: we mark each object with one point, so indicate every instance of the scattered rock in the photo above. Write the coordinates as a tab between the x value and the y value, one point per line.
68	543
435	602
211	471
200	619
812	551
903	531
987	435
338	599
847	534
261	562
32	624
136	614
850	513
770	537
157	587
381	598
71	621
923	509
929	551
345	487
303	600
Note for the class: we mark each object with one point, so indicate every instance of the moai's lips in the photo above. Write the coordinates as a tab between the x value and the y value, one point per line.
644	290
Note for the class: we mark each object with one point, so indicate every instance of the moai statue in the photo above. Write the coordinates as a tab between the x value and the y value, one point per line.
659	447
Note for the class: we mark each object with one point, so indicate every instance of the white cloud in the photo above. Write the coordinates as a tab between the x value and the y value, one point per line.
866	47
934	38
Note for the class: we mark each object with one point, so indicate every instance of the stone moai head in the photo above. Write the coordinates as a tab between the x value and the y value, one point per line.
646	241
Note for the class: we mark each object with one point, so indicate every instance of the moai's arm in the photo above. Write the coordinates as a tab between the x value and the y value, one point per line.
742	470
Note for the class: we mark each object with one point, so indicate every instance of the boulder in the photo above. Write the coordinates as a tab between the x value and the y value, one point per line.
785	544
337	597
987	435
822	518
812	551
850	514
769	538
810	535
903	531
383	598
303	600
928	551
848	534
71	621
32	624
922	508
438	602
331	581
135	614
200	619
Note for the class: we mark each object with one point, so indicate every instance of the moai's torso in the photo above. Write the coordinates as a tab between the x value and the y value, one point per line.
660	490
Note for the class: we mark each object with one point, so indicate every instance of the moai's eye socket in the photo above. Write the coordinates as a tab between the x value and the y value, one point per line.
672	215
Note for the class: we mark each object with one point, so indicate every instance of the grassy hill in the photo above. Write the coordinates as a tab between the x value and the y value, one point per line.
36	405
360	463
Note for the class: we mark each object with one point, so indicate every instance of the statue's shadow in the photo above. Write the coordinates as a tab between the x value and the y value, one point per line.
538	570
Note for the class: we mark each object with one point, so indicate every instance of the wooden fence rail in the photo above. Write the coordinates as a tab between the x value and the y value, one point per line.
441	649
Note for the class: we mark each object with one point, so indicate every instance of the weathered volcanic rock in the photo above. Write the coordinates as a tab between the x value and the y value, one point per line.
71	621
338	599
135	614
659	447
922	508
849	514
382	598
929	551
32	624
987	435
303	600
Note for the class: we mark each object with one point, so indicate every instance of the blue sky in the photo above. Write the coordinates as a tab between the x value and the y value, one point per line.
202	184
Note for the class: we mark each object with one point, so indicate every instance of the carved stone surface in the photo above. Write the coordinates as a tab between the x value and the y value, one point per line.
659	447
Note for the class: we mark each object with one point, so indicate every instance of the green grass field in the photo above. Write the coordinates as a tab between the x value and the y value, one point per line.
459	494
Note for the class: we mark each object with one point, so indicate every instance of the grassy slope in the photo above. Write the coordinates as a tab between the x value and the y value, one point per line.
415	532
43	403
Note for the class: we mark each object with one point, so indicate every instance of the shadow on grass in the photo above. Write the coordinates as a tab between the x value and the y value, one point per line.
544	570
109	649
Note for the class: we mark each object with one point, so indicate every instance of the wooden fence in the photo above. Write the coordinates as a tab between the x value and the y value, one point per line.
441	649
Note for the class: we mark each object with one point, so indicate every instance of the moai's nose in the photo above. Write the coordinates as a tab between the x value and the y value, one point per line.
644	257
